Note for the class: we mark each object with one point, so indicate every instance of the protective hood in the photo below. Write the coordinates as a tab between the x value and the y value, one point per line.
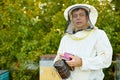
92	14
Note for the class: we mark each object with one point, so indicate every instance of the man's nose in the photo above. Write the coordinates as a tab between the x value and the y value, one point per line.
78	17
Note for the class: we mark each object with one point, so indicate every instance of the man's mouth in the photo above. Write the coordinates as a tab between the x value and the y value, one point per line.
78	22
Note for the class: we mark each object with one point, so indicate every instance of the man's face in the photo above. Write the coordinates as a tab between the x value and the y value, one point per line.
80	19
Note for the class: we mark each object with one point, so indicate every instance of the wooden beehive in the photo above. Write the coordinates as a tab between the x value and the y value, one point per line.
4	75
49	73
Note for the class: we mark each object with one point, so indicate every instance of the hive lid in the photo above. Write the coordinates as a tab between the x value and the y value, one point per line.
48	57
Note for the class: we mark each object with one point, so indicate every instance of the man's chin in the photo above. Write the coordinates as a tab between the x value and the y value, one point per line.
79	26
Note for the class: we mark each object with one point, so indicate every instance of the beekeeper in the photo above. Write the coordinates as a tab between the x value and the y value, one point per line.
89	45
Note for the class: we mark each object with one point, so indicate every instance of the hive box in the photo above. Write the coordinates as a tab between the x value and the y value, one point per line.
4	75
47	71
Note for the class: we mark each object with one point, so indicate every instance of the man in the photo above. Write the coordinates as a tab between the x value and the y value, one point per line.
90	48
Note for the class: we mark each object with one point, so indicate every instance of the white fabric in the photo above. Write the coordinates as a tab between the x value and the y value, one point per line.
95	51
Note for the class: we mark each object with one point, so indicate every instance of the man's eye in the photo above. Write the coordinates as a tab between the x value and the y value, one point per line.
74	16
81	14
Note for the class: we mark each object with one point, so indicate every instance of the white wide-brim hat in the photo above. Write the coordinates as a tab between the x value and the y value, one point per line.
93	14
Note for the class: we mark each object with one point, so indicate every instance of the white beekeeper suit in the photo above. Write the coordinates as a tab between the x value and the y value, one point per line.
92	45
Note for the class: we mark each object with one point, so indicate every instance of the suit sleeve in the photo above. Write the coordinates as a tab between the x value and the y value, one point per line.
103	58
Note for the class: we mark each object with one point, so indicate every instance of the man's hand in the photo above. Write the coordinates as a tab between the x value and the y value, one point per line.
75	62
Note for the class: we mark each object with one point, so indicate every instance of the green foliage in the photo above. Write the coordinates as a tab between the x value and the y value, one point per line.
20	37
24	75
30	28
110	73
